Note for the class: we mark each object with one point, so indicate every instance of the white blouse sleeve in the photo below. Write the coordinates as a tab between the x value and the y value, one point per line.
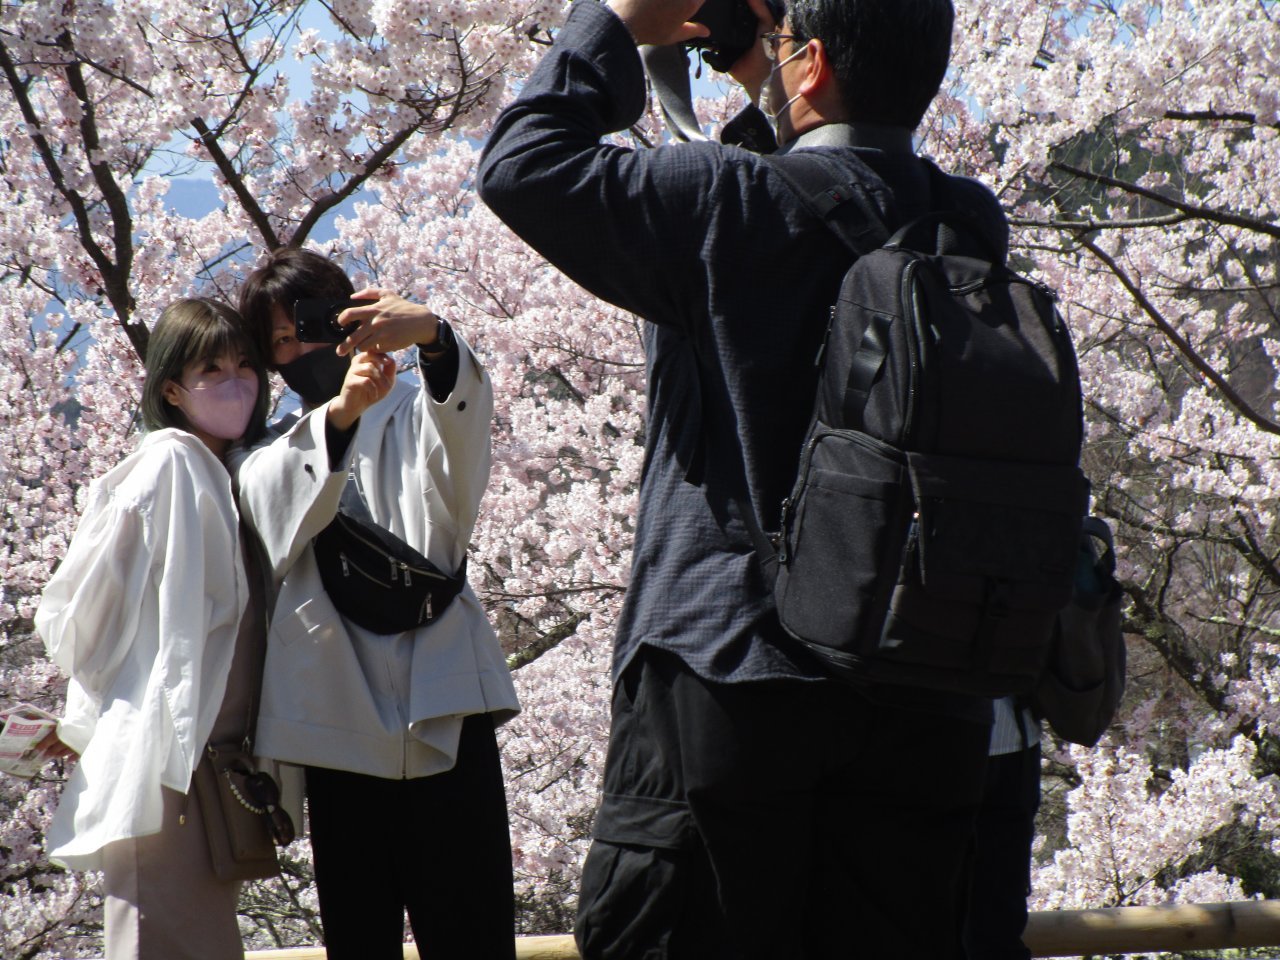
91	606
154	562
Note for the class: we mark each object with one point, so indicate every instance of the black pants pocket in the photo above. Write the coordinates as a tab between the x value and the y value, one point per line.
634	881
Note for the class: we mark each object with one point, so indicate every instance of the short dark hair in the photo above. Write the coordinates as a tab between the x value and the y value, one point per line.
193	329
888	56
284	276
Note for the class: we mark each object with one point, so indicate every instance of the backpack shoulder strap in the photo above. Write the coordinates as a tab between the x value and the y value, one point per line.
835	189
824	185
963	220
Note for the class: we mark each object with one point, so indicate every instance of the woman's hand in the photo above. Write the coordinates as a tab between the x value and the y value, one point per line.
369	378
51	748
390	323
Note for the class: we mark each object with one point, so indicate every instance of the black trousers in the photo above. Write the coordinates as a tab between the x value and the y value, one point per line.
777	819
1004	833
436	846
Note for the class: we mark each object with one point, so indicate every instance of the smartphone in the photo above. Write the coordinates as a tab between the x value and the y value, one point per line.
316	319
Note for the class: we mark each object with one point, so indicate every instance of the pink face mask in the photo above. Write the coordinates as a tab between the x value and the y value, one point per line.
222	409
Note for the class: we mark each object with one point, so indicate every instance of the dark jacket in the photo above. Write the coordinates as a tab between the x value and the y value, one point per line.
709	244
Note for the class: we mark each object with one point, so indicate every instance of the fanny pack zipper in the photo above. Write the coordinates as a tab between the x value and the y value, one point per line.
399	569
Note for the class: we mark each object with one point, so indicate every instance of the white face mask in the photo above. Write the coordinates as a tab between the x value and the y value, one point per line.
766	95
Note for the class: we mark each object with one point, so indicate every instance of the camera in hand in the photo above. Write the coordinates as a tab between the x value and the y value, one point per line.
316	320
734	28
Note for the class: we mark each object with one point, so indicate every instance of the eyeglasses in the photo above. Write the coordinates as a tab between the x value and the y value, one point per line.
771	41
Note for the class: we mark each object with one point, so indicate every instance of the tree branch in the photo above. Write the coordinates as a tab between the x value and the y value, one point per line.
1183	346
1190	209
248	202
330	200
1091	225
115	276
545	642
1239	116
117	280
1170	641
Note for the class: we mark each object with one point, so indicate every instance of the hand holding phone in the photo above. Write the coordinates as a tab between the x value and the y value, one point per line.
369	379
315	320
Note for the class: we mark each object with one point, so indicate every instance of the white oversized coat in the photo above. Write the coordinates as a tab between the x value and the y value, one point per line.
334	694
143	615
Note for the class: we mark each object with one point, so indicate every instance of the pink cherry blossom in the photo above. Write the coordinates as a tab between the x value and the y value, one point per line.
1135	147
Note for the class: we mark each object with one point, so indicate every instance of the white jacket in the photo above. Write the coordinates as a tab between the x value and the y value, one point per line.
334	694
143	615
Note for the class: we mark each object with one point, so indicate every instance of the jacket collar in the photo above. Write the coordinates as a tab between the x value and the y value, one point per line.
869	135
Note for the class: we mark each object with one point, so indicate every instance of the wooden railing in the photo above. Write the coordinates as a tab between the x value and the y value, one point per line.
1176	927
1057	933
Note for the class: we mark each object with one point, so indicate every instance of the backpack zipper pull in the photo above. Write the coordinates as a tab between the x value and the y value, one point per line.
822	347
781	543
346	571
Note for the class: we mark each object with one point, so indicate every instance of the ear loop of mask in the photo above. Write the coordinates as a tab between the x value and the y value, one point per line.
773	115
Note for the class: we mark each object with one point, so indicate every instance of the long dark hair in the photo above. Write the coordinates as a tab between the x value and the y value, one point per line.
197	329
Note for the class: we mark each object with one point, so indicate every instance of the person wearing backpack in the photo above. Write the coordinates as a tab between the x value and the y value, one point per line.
753	804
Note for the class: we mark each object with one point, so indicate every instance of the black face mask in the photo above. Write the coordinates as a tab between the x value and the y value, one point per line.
316	376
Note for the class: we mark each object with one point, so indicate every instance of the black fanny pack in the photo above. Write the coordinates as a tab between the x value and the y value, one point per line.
378	581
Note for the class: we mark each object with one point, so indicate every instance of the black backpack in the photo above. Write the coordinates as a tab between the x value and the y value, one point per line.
931	535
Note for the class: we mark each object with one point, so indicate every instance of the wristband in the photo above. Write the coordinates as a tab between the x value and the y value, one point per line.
444	340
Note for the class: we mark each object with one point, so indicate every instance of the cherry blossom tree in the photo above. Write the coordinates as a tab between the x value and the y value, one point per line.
104	104
1134	145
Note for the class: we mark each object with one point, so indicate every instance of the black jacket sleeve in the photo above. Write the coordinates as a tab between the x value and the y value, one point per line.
625	224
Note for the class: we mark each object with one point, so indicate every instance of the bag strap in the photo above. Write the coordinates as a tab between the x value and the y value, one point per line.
353	503
827	189
823	184
668	70
1098	529
832	190
254	551
864	367
355	506
836	192
953	231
